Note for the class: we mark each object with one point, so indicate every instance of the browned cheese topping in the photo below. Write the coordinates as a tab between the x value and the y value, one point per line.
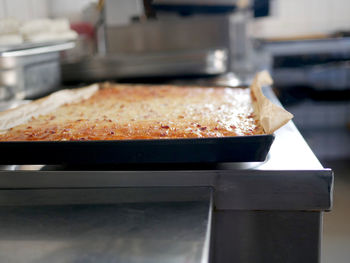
119	112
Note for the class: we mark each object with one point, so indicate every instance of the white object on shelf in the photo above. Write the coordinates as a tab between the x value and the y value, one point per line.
13	32
42	30
13	39
9	26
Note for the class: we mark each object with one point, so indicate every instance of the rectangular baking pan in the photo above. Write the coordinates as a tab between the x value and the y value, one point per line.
252	148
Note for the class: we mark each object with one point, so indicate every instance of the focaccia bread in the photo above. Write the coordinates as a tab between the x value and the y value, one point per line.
119	112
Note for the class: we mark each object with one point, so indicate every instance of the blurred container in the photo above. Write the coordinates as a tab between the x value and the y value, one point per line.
321	114
328	76
325	126
30	70
329	144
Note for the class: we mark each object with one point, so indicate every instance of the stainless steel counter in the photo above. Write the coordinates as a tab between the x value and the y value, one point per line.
264	212
148	232
291	172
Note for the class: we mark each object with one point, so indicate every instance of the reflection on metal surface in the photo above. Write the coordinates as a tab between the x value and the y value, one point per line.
176	63
267	236
150	233
28	167
320	46
25	46
37	50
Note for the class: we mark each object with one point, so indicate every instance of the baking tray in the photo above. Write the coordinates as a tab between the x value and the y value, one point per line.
252	148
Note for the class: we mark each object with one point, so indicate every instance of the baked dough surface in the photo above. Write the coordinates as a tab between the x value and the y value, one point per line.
119	112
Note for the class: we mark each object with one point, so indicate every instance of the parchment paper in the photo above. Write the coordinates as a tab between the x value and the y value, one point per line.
271	116
24	113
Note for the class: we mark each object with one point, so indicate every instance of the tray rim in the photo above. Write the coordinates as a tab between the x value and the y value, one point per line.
151	151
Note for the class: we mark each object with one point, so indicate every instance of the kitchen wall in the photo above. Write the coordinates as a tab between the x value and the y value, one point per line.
23	9
303	17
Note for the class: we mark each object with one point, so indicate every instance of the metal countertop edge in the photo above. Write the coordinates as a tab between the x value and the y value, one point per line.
309	190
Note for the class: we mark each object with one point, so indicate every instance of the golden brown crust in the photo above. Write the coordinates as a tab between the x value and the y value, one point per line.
145	112
118	112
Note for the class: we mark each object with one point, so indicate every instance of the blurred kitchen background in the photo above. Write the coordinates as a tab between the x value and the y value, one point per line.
305	44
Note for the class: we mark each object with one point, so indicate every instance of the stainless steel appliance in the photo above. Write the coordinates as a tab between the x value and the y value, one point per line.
211	39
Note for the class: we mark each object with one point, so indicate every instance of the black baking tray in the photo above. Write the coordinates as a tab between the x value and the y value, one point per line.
252	148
